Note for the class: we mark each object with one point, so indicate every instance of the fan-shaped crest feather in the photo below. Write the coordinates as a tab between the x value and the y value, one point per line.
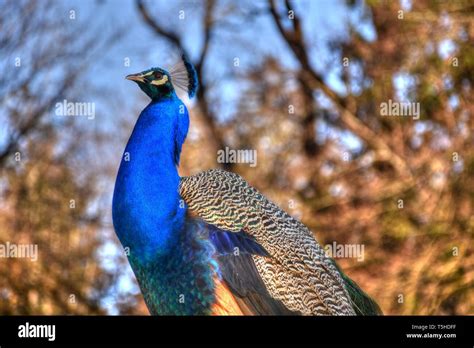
184	76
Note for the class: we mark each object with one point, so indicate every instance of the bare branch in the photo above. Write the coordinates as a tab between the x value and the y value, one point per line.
314	80
172	37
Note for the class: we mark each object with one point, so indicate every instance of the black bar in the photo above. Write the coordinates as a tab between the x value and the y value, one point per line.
141	330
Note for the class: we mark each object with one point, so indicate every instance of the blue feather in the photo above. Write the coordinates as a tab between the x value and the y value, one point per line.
169	258
146	209
226	242
192	77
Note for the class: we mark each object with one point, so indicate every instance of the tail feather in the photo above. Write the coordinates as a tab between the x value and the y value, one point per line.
363	303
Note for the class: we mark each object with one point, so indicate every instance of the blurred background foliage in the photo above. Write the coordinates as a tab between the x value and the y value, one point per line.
309	105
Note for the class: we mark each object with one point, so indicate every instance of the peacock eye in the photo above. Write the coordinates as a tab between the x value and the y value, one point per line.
158	75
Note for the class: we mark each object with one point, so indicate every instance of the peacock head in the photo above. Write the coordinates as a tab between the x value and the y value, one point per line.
159	83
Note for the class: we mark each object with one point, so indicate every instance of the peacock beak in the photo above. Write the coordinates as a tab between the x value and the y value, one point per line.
135	77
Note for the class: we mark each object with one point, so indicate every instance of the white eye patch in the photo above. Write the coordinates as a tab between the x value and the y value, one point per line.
160	82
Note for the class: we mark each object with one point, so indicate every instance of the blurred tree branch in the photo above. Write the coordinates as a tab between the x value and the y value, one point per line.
312	80
44	202
26	106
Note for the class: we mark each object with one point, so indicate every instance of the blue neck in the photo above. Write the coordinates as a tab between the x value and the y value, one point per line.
147	213
171	262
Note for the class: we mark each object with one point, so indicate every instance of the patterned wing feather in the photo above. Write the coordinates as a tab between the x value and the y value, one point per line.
298	273
238	276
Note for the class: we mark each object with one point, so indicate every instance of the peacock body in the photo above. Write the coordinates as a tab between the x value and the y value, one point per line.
211	243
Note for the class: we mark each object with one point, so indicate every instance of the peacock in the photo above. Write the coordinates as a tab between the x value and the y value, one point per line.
210	243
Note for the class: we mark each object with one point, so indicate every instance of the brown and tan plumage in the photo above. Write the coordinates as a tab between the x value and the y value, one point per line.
295	277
